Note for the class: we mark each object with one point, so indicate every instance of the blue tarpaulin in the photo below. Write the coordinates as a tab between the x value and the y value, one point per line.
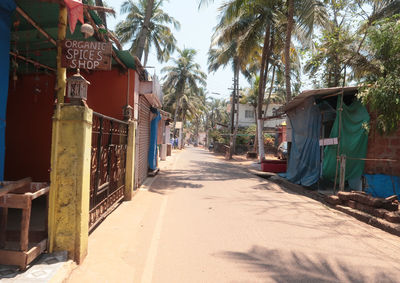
304	158
153	140
383	186
6	9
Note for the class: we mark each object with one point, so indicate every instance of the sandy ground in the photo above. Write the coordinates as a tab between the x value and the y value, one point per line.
207	220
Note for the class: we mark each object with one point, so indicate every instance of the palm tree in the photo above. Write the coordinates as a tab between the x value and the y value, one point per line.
226	53
146	28
308	14
102	15
216	113
144	32
259	21
250	22
288	42
183	77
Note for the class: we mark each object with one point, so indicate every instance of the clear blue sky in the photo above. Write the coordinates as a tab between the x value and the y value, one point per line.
196	30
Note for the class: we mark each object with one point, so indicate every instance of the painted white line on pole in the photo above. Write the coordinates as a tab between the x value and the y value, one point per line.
147	275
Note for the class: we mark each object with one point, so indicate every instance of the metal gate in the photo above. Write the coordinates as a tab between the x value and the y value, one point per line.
108	165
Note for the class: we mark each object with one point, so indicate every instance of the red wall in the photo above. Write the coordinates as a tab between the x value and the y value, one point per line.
383	147
107	92
29	118
28	129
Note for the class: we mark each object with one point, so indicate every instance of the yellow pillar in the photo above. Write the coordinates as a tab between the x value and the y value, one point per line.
130	162
70	180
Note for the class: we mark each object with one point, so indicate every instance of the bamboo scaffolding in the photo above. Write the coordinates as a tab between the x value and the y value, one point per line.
32	61
61	72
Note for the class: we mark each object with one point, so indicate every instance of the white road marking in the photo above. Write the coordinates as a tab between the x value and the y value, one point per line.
147	275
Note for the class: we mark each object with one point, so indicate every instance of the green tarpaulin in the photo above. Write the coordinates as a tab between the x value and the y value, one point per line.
353	143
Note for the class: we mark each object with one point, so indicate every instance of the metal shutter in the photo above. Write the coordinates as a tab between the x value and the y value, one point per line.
143	140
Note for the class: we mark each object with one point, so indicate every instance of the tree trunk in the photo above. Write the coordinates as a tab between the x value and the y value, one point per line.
102	14
231	124
260	136
197	130
181	132
236	90
288	40
175	118
144	32
206	130
270	91
261	87
255	142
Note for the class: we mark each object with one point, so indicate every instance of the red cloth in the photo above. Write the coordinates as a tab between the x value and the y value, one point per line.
75	13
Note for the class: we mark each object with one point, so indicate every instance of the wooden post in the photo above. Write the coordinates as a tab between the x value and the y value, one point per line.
26	217
3	226
61	72
342	171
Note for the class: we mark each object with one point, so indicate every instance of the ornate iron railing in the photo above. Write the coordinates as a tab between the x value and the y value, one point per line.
107	178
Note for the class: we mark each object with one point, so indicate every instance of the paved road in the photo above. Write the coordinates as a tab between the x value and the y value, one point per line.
207	220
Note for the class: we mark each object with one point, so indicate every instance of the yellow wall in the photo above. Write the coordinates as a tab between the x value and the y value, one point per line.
70	180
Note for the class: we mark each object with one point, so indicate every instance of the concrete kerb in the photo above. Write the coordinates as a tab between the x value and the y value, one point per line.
382	224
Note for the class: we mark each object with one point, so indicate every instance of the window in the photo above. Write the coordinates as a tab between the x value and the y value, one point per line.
249	114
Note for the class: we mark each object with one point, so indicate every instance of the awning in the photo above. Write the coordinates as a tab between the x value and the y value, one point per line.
319	93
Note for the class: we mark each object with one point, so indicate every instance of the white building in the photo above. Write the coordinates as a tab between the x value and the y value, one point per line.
247	115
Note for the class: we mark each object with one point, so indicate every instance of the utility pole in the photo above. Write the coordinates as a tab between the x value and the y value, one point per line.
232	124
235	108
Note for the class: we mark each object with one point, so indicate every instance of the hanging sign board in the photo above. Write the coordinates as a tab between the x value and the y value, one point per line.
178	125
88	55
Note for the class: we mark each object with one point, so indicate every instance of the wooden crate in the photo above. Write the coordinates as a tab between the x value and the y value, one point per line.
19	195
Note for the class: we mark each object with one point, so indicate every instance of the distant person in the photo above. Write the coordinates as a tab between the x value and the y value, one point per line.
176	143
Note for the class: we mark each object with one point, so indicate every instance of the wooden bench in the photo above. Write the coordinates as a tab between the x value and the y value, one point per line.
19	195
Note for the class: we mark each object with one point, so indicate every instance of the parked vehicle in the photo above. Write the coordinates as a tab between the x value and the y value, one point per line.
282	152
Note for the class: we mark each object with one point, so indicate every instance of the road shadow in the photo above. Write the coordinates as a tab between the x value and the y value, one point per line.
200	171
295	266
171	180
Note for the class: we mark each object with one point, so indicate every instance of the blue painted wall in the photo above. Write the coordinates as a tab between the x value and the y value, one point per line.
6	9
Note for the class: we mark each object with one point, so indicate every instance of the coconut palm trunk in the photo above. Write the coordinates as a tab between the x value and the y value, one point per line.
270	91
255	143
143	35
175	117
261	88
290	4
102	14
231	125
181	132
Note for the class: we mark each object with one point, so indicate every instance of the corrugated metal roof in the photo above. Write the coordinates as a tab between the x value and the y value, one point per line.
319	93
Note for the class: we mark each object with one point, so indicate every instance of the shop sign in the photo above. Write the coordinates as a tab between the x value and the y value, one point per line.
89	55
330	141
